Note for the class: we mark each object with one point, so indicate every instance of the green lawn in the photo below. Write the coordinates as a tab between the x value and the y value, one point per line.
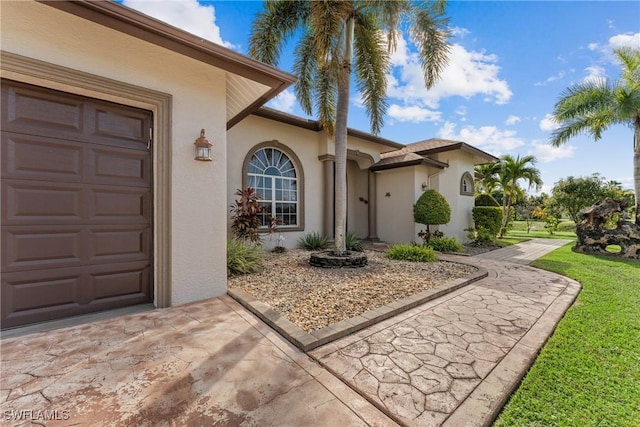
519	229
588	374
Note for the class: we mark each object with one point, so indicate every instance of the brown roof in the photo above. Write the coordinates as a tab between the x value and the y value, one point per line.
405	159
436	145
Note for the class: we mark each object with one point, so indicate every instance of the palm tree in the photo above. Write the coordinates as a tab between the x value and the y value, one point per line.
595	105
511	171
489	177
335	36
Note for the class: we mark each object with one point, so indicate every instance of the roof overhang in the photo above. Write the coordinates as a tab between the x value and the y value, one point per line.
479	156
250	83
314	125
389	163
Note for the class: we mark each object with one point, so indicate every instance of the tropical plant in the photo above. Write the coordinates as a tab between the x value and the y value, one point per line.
488	177
595	105
246	215
242	257
575	194
431	209
511	171
352	243
446	244
336	37
409	252
313	241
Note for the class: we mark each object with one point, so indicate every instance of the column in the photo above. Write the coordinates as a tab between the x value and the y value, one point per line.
373	226
328	189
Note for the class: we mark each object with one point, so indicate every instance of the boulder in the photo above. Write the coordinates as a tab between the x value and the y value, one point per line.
594	236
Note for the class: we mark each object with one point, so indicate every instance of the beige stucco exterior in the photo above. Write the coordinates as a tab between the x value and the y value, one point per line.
195	203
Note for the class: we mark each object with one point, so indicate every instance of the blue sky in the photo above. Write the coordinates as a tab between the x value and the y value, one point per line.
509	62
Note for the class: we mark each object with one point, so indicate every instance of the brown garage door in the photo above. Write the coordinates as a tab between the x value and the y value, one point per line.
76	205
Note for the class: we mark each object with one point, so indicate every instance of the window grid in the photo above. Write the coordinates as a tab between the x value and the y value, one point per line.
272	174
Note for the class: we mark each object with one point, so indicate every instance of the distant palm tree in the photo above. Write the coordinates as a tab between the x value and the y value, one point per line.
335	36
488	180
595	105
511	171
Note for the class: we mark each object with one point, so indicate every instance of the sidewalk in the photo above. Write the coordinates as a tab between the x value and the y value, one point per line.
453	361
526	252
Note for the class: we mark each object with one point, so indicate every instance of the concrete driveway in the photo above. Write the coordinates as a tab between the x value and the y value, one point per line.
452	361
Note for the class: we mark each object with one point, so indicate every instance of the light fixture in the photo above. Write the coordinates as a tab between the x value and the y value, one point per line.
424	186
203	148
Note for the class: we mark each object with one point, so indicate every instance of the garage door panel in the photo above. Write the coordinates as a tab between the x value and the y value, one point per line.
41	202
119	167
120	205
117	123
38	296
30	248
116	245
31	157
41	112
123	283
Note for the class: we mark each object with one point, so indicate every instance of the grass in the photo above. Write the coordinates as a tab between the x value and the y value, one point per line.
588	374
519	229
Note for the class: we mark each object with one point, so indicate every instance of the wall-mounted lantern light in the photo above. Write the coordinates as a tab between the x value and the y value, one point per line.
203	148
425	186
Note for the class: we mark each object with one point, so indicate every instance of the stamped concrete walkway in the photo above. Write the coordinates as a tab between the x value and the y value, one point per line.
452	361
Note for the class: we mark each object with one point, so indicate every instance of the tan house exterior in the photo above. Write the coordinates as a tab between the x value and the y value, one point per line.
384	178
103	204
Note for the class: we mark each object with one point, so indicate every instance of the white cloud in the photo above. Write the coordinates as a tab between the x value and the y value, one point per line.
594	73
512	120
490	138
467	74
459	31
625	40
188	15
413	114
546	153
593	46
549	123
558	76
284	101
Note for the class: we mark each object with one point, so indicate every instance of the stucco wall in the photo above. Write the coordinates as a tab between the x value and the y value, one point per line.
448	184
199	190
306	144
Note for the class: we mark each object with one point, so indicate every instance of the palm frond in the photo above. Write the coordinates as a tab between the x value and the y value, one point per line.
431	34
305	67
327	20
273	27
325	94
583	98
371	66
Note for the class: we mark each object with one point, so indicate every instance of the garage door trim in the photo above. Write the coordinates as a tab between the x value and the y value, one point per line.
40	73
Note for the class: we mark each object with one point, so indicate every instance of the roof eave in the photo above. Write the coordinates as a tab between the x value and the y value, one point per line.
151	30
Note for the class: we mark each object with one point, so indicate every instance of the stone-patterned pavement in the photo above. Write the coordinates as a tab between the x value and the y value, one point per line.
421	366
452	361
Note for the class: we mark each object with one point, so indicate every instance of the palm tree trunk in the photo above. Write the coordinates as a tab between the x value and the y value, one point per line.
636	167
342	111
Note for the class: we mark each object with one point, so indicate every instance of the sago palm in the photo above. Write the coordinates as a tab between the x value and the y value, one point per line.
511	171
336	38
593	106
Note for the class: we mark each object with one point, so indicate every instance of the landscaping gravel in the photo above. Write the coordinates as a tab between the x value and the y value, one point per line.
314	298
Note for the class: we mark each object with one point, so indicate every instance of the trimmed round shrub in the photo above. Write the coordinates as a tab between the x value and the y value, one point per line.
431	209
242	257
313	241
445	244
486	200
415	253
488	218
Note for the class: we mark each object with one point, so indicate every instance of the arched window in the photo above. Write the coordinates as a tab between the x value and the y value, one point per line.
467	185
275	173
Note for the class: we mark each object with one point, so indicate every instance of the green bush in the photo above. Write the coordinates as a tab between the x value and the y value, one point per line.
486	200
431	209
352	242
407	252
488	218
446	244
242	257
313	241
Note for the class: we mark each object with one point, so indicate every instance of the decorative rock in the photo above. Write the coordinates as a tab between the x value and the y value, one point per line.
593	237
329	259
